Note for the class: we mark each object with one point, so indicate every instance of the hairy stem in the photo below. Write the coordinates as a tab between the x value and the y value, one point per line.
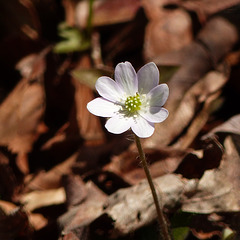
161	218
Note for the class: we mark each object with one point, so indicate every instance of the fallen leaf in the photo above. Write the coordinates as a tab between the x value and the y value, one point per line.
205	8
22	111
218	188
231	126
38	221
75	190
170	31
78	217
132	208
107	12
38	199
161	161
51	179
198	98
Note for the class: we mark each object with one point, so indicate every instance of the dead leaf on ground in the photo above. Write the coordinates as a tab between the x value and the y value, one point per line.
38	199
107	12
22	111
231	126
218	189
205	8
51	179
129	209
170	31
75	190
197	99
78	217
161	161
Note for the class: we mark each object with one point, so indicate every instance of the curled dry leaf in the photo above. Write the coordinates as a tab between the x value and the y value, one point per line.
197	99
218	189
231	126
194	67
207	90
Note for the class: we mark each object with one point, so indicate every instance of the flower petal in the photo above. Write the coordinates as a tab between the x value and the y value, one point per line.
102	107
126	78
142	128
158	95
118	124
148	78
154	114
108	89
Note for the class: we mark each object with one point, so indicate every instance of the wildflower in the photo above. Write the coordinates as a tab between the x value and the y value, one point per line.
133	100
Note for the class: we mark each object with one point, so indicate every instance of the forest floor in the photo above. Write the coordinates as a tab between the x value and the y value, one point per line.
63	175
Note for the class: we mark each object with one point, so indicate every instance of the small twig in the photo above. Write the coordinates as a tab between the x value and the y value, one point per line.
161	218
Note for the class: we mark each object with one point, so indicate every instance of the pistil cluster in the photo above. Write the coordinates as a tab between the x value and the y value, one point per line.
133	103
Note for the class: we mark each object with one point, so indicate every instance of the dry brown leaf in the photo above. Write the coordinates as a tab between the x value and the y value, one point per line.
75	190
231	126
80	216
107	12
205	53
129	209
82	121
38	221
170	31
50	179
203	92
20	115
22	111
198	161
205	8
207	95
38	199
126	210
89	125
161	161
218	189
7	207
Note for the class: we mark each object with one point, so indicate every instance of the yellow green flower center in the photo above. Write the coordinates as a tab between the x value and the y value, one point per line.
133	103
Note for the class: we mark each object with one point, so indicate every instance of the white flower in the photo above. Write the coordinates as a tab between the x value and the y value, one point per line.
133	100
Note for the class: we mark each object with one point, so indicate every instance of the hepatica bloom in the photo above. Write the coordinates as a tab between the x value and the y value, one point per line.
133	100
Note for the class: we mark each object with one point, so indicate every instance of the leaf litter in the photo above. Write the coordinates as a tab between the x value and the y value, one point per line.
50	145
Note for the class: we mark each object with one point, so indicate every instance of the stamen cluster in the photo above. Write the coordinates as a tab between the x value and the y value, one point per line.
133	103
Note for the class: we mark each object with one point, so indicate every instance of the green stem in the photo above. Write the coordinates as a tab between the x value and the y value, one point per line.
161	218
90	17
